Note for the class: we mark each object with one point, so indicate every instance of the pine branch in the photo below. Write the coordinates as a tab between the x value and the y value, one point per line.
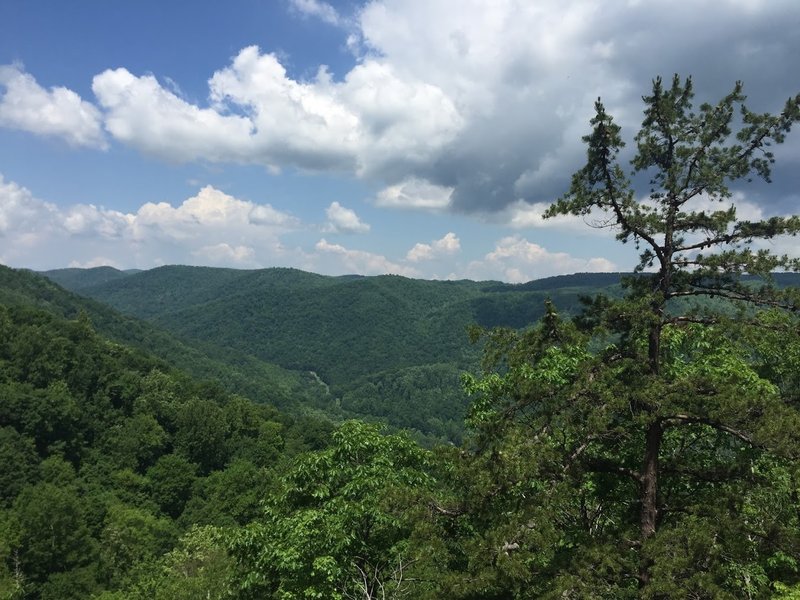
679	419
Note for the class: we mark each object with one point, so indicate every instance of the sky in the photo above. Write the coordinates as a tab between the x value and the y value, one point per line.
417	137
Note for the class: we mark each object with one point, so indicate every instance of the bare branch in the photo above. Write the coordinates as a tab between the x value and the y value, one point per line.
447	512
688	319
678	419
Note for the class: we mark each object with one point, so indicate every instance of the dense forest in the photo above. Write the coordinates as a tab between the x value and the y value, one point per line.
109	457
387	347
638	442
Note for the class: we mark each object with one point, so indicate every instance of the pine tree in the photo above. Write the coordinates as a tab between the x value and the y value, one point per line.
653	427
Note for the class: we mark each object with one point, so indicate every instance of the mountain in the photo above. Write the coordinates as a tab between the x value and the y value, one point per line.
386	346
108	456
234	370
76	279
342	328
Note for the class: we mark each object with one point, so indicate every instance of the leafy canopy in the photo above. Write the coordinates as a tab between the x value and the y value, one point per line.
648	449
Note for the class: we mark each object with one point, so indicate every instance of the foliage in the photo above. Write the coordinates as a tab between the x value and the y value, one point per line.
339	526
644	448
647	450
98	443
369	347
236	371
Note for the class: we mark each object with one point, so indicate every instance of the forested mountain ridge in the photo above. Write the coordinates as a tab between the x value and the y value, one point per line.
108	456
389	347
236	371
76	278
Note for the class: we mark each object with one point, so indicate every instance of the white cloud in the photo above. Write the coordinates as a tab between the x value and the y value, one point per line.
210	227
258	114
211	210
746	210
517	260
524	76
521	215
317	8
362	262
485	105
447	246
97	261
415	193
264	214
344	220
20	211
57	112
226	254
140	112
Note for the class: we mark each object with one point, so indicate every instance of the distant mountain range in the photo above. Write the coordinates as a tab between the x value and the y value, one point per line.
237	372
384	347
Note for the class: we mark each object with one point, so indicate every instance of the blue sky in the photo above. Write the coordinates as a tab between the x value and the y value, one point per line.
415	137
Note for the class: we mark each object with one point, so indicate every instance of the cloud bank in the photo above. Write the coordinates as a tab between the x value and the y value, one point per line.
215	228
472	110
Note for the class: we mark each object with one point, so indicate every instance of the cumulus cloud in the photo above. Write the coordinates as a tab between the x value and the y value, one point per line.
746	210
226	254
415	193
97	261
476	110
363	262
142	113
447	246
317	9
521	215
20	211
210	227
213	227
210	212
344	220
524	76
374	119
517	260
57	112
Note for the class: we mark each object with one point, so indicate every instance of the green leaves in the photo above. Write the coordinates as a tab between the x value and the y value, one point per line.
656	438
341	514
689	157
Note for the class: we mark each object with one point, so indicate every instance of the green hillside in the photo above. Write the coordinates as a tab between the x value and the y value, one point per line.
75	279
387	346
236	371
108	456
342	328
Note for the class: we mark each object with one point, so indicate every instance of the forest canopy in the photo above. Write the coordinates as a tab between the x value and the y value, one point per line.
644	446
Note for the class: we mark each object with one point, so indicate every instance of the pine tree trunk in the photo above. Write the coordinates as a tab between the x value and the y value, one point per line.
649	494
655	433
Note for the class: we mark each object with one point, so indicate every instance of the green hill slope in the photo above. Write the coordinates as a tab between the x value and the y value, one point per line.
236	371
388	346
342	328
108	456
75	279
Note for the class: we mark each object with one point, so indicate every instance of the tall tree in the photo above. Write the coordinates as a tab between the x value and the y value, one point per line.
339	527
659	408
